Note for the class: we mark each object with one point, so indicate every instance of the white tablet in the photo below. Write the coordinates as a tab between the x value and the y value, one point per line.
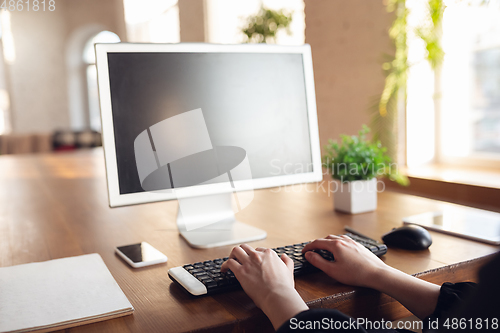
475	224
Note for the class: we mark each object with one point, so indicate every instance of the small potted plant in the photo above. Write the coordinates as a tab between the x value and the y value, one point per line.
355	163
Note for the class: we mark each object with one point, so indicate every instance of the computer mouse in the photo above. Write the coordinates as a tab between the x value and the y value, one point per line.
408	237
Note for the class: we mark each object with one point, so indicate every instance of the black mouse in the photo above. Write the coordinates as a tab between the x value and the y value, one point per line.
408	237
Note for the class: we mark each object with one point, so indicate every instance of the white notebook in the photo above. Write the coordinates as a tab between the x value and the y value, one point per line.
57	294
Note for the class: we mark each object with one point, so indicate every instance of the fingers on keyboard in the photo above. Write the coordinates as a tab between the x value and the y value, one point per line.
208	272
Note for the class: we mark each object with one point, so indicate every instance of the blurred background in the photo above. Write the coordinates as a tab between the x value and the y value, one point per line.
425	75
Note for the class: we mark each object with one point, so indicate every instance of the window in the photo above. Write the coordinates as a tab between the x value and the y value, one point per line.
152	21
91	75
471	80
454	117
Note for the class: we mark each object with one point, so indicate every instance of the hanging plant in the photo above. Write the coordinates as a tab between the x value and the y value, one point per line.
430	33
385	110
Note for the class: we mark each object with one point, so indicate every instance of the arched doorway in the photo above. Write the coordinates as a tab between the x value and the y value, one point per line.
94	119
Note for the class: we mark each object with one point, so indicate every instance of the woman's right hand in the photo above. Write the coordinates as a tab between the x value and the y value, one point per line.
354	264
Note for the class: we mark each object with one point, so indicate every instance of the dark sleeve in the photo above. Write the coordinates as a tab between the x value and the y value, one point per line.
451	297
328	320
469	301
456	300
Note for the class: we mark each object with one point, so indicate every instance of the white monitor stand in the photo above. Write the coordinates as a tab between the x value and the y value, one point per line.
212	222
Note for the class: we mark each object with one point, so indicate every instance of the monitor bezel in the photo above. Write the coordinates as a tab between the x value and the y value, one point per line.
116	199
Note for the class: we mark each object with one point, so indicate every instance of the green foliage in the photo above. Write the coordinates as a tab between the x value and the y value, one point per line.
356	158
385	109
430	33
396	69
262	27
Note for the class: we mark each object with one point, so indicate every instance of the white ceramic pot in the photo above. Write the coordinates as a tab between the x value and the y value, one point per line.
355	197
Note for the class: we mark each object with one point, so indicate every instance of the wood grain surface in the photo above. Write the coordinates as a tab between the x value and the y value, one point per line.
55	206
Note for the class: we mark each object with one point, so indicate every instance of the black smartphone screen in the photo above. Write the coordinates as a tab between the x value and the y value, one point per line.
133	252
140	252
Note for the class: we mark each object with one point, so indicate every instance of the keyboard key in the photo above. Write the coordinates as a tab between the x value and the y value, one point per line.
210	283
382	247
201	278
194	271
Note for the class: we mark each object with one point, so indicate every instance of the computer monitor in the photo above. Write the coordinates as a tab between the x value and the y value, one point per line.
206	124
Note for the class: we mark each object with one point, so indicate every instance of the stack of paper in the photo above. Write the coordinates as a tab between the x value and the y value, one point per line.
58	294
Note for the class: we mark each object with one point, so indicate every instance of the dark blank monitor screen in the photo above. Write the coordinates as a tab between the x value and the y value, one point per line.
256	101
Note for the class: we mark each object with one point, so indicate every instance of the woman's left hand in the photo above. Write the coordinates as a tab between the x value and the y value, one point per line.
268	280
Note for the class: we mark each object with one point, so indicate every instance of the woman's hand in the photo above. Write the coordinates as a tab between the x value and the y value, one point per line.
357	266
268	280
354	264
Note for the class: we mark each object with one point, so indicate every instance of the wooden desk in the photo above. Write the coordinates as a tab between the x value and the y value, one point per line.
56	205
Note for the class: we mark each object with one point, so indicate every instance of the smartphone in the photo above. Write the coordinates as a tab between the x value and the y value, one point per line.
140	255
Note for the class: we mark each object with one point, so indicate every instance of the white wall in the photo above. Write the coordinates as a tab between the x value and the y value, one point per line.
38	75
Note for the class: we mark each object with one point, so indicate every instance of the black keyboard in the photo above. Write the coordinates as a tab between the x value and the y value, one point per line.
205	278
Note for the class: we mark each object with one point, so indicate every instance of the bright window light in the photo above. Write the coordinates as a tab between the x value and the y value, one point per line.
471	79
420	90
152	21
91	74
102	37
469	115
9	50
